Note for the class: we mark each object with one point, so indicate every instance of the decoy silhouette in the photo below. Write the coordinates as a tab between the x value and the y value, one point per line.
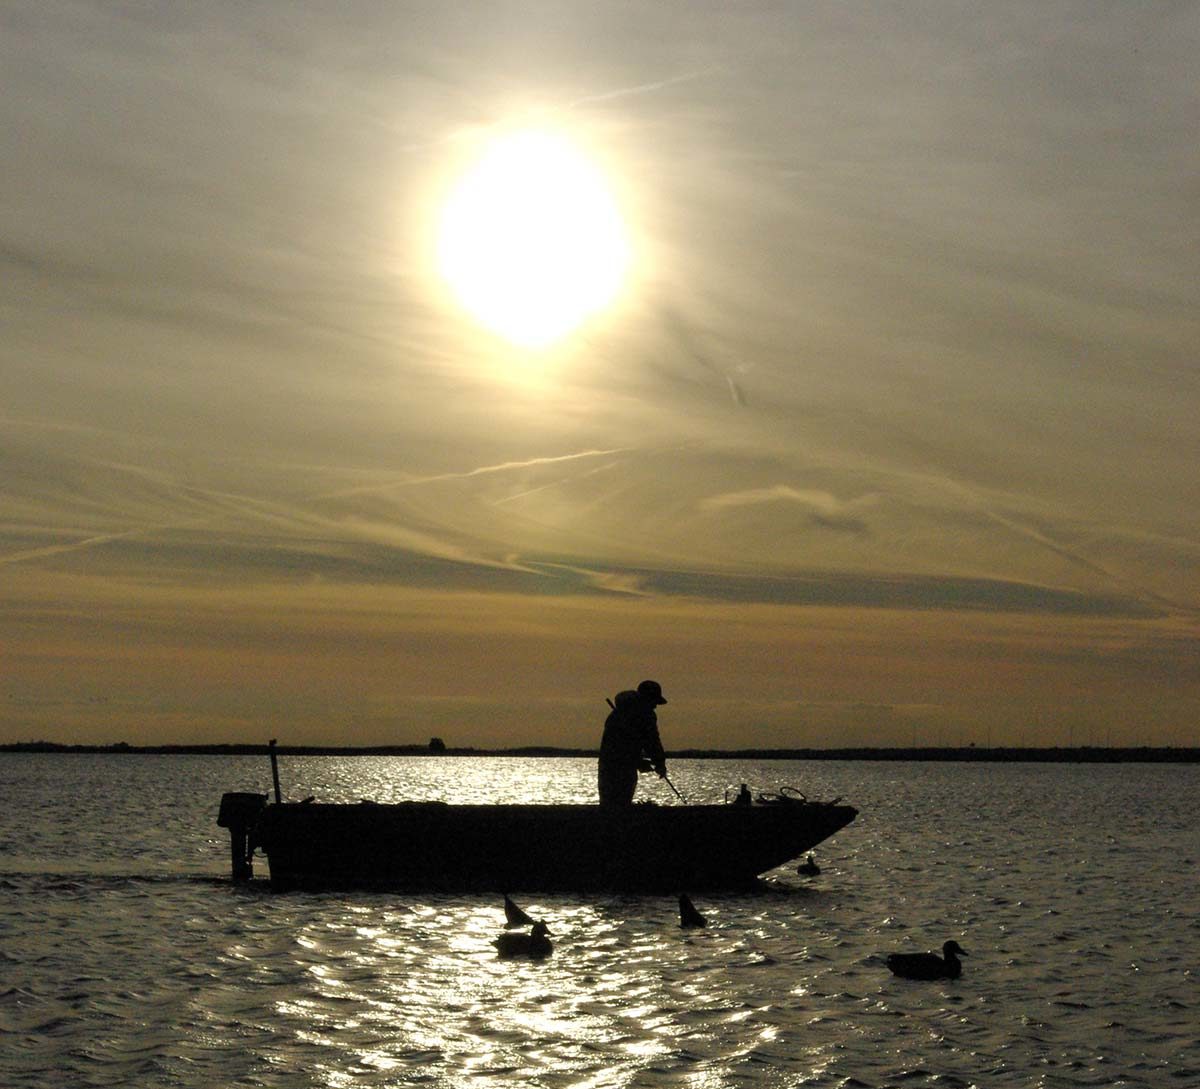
535	944
514	916
688	915
809	868
928	965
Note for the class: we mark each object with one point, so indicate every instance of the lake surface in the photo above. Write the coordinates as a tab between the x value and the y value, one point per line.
127	958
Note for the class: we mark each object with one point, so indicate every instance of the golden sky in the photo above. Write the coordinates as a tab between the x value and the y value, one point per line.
880	423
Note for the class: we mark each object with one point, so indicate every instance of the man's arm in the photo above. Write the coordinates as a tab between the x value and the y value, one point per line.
654	746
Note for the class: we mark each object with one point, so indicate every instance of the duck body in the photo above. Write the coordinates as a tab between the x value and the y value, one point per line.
808	868
928	965
535	945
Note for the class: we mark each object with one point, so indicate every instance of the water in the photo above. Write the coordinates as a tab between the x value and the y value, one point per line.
128	959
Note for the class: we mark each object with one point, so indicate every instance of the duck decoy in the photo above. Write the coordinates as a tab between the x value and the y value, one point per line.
809	868
535	944
688	915
514	916
928	965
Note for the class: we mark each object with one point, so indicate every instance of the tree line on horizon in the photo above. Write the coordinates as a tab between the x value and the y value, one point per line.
437	747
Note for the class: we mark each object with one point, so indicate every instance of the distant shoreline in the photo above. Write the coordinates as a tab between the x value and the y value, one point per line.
1084	754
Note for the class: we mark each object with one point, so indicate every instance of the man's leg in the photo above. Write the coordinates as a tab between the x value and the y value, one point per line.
617	784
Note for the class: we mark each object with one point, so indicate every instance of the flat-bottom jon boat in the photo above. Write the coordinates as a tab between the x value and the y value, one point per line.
435	846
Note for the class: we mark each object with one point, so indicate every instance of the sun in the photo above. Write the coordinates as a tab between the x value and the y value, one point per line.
530	238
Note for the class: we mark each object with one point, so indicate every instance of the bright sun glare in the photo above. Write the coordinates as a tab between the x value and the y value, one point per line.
531	241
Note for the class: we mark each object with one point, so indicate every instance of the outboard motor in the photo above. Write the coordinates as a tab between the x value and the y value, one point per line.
239	813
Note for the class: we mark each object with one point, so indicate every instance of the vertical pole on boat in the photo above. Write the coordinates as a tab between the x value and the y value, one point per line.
275	771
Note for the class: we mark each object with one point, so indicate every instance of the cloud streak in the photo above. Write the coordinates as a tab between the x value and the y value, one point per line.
823	508
467	474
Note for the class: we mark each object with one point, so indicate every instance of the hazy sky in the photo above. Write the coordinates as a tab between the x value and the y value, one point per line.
892	433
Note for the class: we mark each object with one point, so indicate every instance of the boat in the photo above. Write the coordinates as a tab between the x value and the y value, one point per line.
442	847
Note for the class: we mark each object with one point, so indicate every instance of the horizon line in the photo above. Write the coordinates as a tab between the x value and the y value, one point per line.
970	752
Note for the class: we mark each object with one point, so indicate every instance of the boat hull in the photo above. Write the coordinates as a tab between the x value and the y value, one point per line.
551	848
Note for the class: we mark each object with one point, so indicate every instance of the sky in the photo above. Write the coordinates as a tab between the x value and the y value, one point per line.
888	437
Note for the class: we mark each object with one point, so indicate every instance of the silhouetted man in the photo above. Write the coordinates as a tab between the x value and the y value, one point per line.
630	741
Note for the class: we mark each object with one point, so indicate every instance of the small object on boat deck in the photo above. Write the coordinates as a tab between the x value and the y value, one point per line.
809	868
928	965
535	944
688	915
514	916
743	796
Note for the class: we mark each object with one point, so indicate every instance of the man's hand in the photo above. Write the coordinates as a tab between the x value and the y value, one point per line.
661	769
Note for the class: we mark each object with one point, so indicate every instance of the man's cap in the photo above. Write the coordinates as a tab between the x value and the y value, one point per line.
651	690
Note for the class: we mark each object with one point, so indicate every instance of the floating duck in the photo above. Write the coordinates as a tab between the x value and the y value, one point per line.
688	915
514	916
534	945
809	868
928	965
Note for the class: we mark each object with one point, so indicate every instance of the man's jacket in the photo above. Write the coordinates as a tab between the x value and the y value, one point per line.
631	734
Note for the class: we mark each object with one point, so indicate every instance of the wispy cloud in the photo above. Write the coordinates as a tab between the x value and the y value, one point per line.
467	474
645	88
823	508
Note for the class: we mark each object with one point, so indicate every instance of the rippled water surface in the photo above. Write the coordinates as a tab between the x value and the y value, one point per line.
127	958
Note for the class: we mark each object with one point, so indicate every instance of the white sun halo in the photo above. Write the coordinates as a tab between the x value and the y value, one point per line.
530	239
